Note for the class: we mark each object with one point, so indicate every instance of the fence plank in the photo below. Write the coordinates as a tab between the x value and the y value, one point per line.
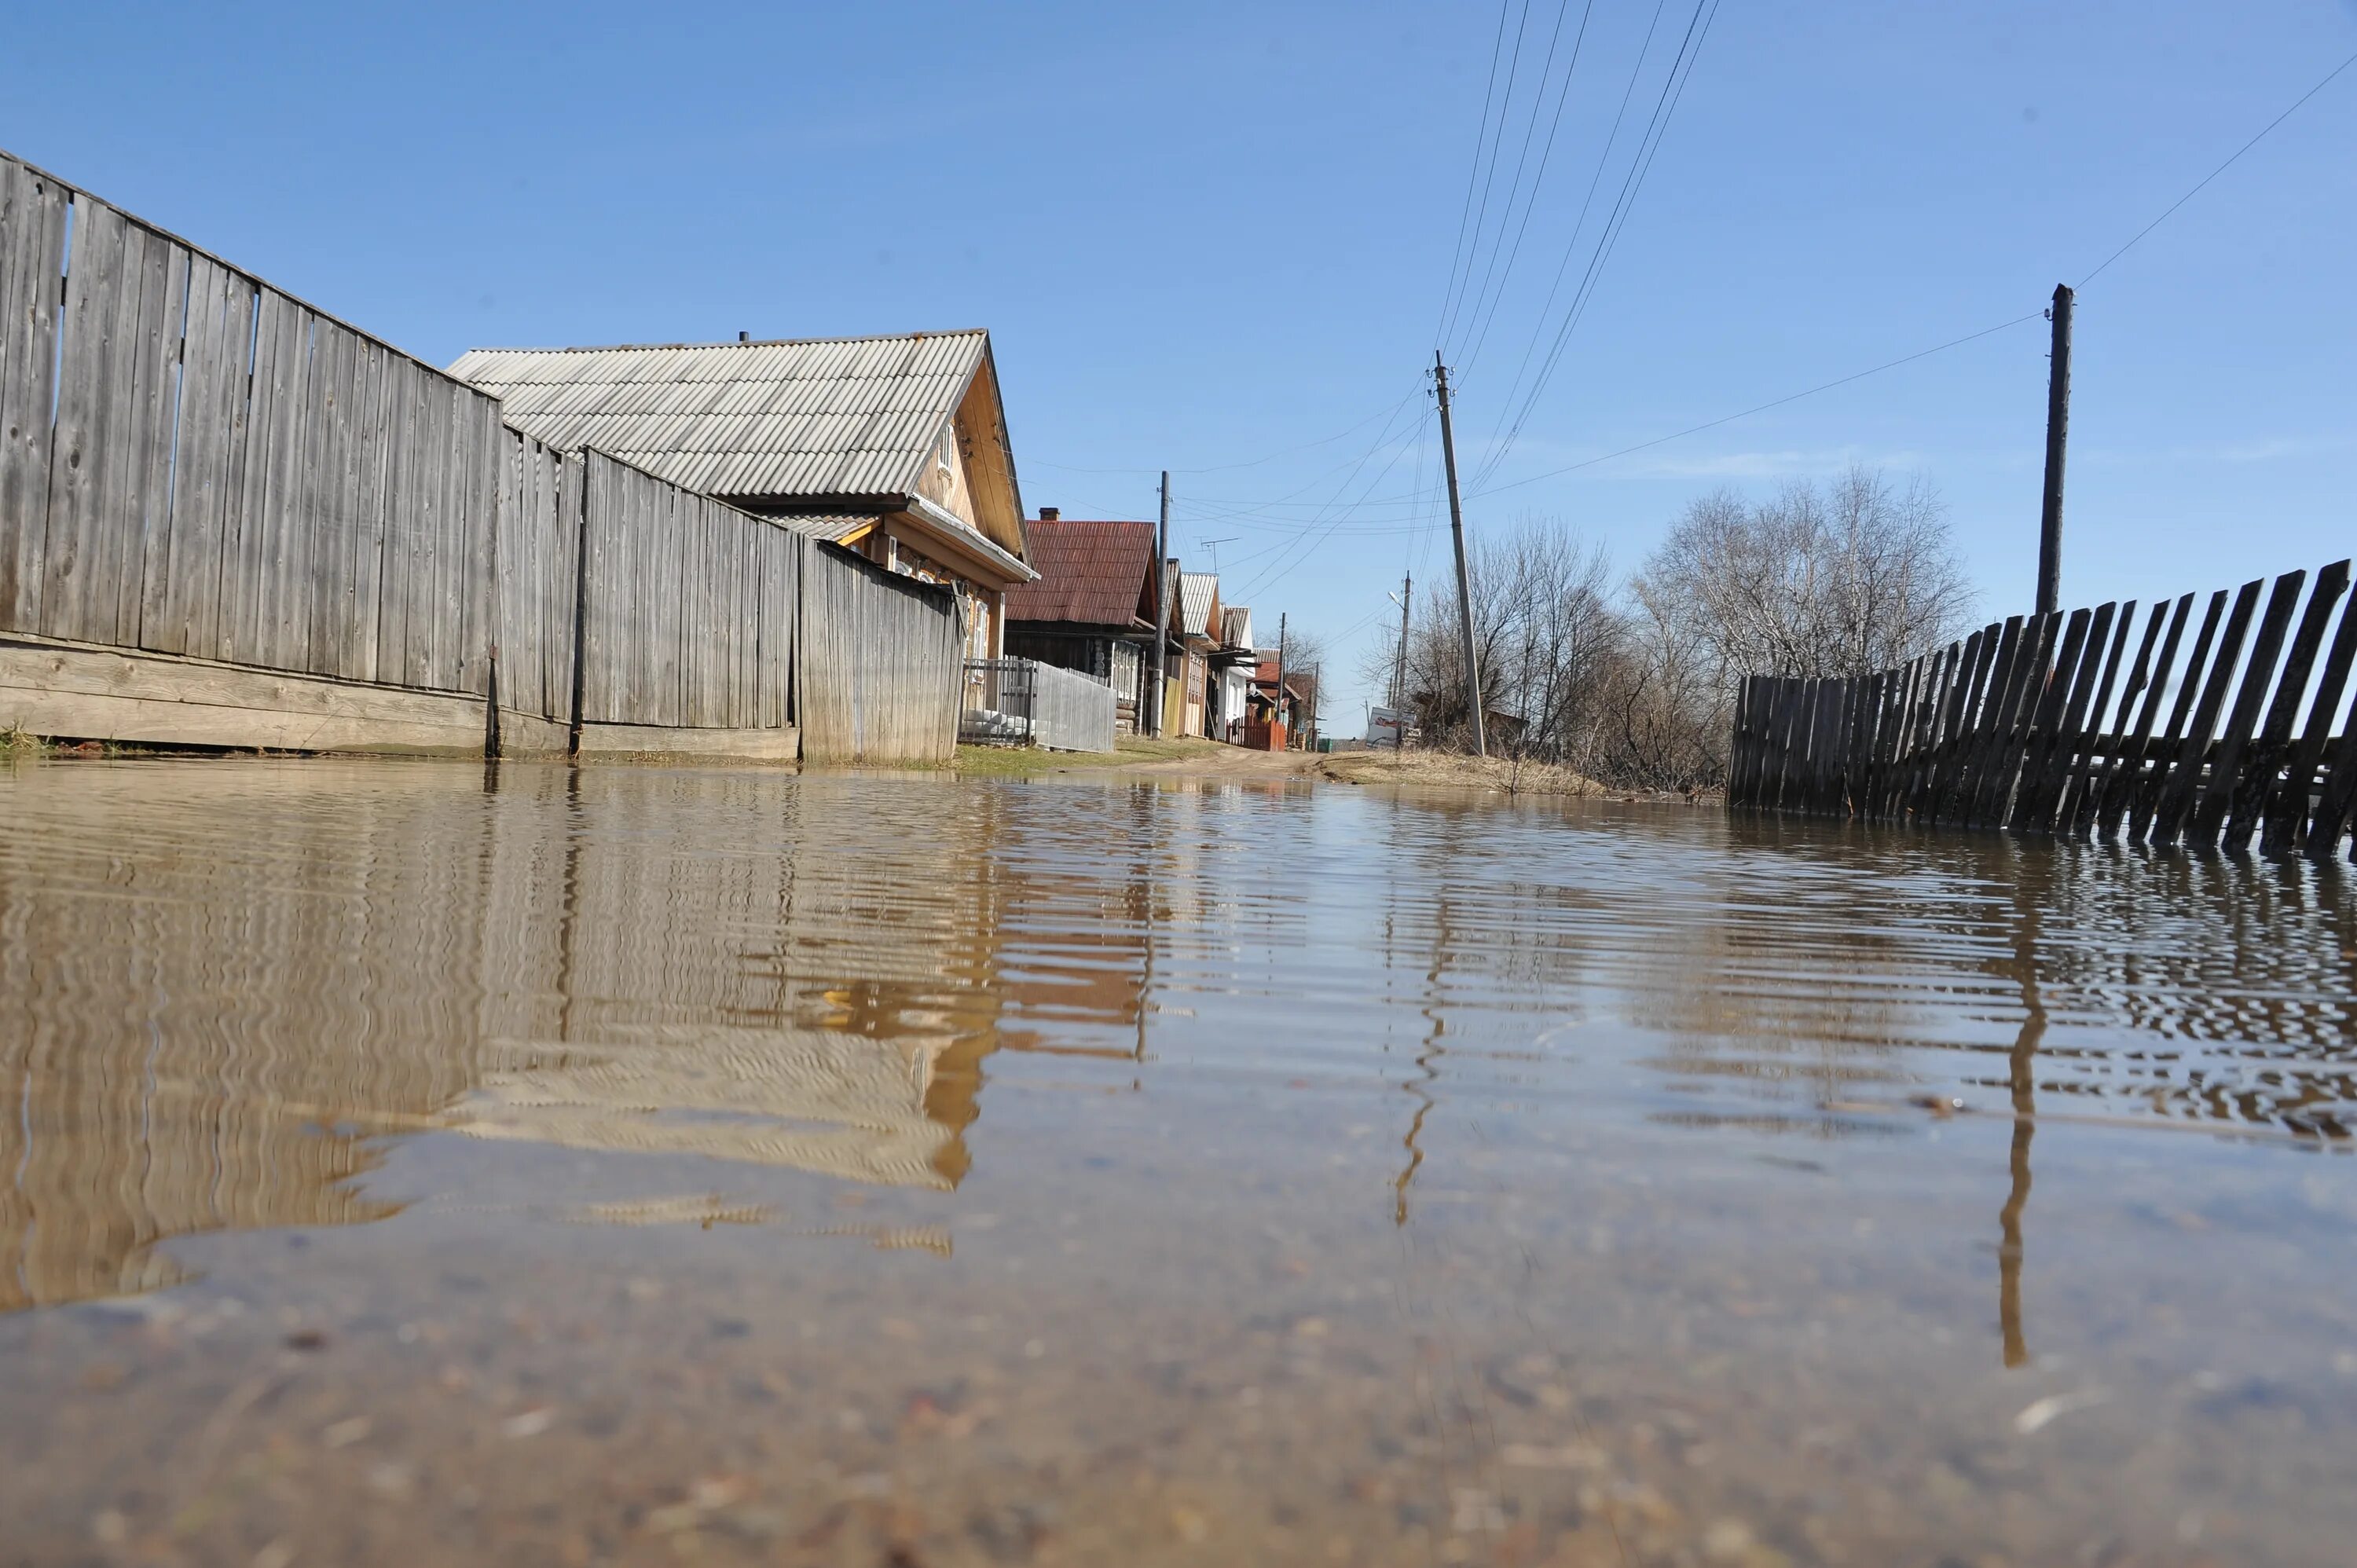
2338	796
2156	781
2287	820
1992	782
2060	710
32	262
2069	804
182	613
140	520
2241	719
2185	777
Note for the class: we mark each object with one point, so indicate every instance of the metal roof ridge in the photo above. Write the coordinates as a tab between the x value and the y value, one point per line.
732	343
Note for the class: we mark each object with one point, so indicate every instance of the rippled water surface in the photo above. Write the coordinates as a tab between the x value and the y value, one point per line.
402	1164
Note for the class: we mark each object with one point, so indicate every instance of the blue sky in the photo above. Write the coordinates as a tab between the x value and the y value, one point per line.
1218	238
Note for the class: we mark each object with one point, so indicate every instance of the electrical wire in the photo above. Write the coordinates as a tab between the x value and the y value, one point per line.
1647	145
1480	137
1481	215
2221	168
1482	320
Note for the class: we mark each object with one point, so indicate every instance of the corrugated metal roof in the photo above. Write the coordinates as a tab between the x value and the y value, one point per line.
1093	573
830	526
824	417
1235	626
1197	590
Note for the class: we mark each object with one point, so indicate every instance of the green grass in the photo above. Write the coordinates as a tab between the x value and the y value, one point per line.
1006	761
1030	762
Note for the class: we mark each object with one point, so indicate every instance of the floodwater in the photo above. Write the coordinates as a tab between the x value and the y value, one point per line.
407	1163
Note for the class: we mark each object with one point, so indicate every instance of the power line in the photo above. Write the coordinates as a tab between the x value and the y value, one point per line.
1666	107
2221	168
1588	201
1480	137
1480	320
1227	468
1763	408
1497	143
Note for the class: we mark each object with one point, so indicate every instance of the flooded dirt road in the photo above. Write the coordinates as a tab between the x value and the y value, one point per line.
404	1164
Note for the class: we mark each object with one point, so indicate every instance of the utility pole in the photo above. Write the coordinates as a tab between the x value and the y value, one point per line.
1463	588
1161	604
2058	435
1399	670
1278	716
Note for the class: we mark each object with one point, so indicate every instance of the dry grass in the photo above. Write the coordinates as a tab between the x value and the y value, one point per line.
15	741
1445	769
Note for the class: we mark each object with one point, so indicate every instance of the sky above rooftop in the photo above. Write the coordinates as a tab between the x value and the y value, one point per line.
1220	239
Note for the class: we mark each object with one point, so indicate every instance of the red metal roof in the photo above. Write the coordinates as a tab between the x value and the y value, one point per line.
1094	574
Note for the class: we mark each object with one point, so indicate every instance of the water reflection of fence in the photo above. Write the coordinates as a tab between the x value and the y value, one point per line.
1021	700
2043	723
228	519
306	961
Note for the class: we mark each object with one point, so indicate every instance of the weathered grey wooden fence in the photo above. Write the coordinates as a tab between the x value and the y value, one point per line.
536	550
688	609
227	517
199	466
2043	723
882	671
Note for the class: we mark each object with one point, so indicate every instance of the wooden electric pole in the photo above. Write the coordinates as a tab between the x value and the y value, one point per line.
1463	588
1399	670
2058	435
1161	605
1277	716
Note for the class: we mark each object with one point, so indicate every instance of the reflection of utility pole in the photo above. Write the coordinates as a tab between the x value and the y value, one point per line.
1464	587
1427	1062
2021	1067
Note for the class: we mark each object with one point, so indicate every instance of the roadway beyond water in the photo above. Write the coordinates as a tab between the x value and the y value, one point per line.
402	1164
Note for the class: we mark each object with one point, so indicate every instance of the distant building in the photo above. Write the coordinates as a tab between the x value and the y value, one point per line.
894	446
1232	667
1091	608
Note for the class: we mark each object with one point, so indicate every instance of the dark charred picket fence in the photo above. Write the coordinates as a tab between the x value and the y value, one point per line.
228	518
2055	723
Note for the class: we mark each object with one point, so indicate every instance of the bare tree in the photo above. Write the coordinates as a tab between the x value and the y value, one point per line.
1845	580
1544	628
1635	686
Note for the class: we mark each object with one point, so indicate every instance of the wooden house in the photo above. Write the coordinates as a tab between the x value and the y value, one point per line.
894	446
1091	608
1197	635
1233	664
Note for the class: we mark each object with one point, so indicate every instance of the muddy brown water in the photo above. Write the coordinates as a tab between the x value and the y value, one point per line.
402	1163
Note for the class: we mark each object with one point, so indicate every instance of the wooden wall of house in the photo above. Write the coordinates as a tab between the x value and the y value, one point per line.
882	663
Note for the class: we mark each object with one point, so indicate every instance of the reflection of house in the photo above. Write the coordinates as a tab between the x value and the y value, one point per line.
1093	607
840	1104
896	447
